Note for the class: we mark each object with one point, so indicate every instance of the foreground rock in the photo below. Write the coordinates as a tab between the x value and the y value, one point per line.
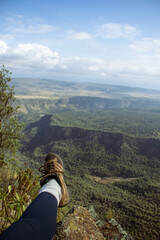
113	231
79	225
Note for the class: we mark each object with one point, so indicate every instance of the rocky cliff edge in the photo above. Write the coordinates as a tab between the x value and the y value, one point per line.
82	224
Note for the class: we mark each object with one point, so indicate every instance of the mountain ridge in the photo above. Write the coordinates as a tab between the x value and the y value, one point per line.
41	81
111	140
51	88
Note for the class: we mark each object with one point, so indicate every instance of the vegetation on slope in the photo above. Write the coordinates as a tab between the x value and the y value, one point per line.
10	129
133	162
17	187
31	109
136	123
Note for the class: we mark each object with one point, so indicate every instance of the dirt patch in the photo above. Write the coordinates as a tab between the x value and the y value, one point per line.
107	180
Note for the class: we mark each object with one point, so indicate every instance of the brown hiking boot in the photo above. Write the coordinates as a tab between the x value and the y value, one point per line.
53	168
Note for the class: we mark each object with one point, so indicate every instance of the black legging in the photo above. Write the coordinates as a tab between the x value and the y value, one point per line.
38	222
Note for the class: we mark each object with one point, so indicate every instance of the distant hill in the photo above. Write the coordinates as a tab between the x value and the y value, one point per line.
38	97
33	109
52	88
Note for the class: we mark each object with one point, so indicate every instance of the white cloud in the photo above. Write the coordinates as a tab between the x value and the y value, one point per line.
19	24
139	66
146	45
13	18
40	28
78	35
37	60
141	58
6	37
107	31
3	47
35	50
28	56
116	30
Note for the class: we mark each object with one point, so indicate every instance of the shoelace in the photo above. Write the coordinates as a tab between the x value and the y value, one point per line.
49	168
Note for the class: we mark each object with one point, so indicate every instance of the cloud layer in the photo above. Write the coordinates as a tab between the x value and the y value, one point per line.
116	30
36	57
55	53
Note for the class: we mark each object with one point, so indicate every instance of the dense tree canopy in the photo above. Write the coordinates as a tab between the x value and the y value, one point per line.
9	125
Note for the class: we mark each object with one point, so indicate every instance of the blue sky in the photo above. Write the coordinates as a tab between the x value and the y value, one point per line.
112	42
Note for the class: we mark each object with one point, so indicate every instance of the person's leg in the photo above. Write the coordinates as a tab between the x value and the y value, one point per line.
38	222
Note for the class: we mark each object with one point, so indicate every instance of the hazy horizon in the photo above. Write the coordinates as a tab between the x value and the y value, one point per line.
84	82
106	42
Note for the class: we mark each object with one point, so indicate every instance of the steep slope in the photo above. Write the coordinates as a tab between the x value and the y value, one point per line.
111	170
42	96
40	106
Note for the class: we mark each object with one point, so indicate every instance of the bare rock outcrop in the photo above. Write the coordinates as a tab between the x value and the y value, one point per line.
78	224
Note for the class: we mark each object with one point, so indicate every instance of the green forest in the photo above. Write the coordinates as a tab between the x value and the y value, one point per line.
117	168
